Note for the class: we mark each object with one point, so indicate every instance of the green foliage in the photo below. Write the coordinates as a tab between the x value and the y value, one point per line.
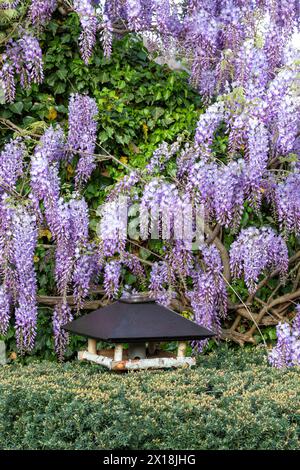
140	102
231	400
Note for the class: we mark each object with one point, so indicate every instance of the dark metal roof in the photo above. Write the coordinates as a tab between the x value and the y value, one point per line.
123	322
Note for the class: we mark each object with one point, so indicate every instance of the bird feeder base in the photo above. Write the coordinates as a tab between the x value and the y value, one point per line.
161	360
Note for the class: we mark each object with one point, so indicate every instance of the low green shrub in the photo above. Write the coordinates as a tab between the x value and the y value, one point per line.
231	400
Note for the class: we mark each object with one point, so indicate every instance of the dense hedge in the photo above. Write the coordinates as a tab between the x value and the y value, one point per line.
231	400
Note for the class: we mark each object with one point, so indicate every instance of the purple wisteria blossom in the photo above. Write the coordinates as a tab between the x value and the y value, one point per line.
256	250
11	164
161	280
89	25
5	307
22	58
112	228
52	144
82	134
206	127
10	4
107	36
162	155
208	297
7	271
134	265
32	66
40	11
61	315
45	185
180	259
286	200
24	243
288	115
256	160
229	193
125	185
85	269
286	353
201	181
112	273
7	78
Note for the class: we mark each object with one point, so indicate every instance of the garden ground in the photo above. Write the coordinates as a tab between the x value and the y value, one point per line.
232	400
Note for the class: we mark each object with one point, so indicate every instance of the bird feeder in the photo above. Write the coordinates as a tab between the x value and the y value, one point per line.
141	323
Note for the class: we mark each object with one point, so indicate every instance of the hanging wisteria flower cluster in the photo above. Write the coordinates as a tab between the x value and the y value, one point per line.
82	134
286	353
40	11
256	250
23	59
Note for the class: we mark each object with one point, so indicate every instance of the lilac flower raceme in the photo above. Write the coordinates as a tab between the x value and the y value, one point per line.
208	297
68	223
286	200
229	193
180	259
286	353
206	127
106	36
5	307
162	155
40	11
85	268
71	234
10	4
61	315
82	134
32	67
11	164
112	273
125	185
288	115
257	159
7	79
251	68
133	263
23	58
256	250
45	185
52	144
201	181
161	280
24	243
273	47
89	25
7	271
80	221
278	88
112	228
72	265
296	321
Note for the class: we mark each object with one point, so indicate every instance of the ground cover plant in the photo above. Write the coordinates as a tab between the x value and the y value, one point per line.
231	400
74	123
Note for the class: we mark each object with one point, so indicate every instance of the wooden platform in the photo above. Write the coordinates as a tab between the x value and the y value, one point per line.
159	360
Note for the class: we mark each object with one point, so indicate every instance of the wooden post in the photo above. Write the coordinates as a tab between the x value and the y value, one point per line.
92	346
181	349
118	352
